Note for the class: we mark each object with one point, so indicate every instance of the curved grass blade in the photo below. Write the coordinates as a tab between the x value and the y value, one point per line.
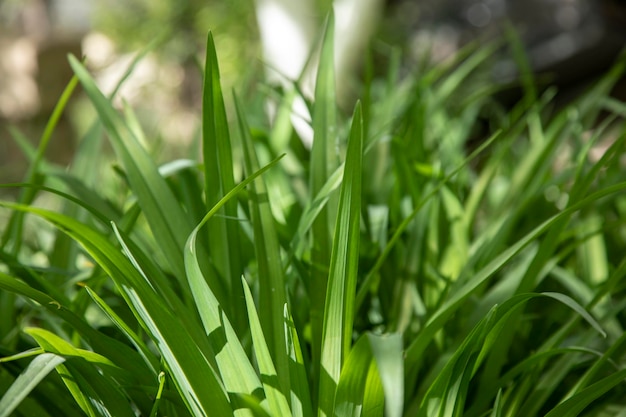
234	367
490	341
93	391
573	406
157	400
91	373
422	340
119	353
191	370
163	213
52	343
236	370
446	396
132	336
36	370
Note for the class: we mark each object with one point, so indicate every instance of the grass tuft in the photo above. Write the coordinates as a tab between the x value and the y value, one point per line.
434	253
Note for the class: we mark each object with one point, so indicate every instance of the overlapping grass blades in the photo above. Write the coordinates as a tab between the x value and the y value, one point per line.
37	369
271	280
487	284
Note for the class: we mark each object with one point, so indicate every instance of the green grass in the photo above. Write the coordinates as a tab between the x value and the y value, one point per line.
402	272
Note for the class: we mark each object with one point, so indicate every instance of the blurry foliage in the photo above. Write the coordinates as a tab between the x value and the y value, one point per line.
132	24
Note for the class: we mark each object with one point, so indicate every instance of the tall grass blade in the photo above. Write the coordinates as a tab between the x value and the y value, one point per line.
323	163
132	336
222	231
272	287
235	369
340	295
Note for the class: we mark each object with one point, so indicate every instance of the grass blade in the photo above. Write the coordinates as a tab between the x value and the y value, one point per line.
277	402
132	336
352	389
323	163
577	403
300	387
339	306
234	366
91	374
222	231
389	356
13	233
416	348
191	371
28	380
271	281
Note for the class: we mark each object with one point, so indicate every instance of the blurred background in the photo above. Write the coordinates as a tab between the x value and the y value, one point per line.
572	41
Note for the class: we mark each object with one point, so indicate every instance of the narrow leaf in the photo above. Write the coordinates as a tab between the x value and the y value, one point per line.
36	370
277	402
339	305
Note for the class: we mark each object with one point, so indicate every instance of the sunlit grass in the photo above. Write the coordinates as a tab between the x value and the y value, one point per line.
404	273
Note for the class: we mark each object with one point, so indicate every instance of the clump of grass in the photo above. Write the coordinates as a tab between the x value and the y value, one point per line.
399	274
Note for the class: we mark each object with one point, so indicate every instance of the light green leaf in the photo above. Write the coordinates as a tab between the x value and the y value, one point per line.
36	370
277	402
388	353
132	336
300	387
222	231
339	305
323	163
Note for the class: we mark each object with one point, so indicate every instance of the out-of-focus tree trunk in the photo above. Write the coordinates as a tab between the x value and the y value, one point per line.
289	31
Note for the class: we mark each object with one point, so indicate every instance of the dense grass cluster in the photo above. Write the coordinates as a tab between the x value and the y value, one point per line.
393	269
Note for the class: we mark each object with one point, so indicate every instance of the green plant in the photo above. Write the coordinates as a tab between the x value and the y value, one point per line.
382	272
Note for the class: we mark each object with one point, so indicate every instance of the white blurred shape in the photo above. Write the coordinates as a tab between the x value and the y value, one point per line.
288	29
19	95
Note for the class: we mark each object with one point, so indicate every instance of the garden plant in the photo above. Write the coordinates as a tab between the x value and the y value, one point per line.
434	253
